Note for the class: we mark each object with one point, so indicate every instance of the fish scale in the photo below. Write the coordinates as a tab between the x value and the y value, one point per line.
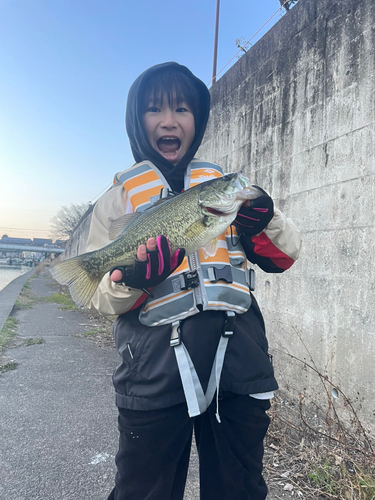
190	220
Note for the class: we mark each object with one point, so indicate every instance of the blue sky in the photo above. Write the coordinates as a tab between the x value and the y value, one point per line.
65	70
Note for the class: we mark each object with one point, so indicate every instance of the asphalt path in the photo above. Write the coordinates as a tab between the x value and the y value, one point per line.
58	420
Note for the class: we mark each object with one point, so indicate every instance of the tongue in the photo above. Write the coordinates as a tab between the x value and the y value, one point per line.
168	146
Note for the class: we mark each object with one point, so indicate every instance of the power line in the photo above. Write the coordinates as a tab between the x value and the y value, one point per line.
27	209
101	192
241	49
25	229
109	185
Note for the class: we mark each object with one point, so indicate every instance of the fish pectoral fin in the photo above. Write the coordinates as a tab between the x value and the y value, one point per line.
118	225
210	249
194	230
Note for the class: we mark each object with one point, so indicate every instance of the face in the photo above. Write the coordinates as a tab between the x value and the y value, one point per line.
170	128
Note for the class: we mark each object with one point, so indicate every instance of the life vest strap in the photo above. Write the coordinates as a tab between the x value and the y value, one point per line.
198	401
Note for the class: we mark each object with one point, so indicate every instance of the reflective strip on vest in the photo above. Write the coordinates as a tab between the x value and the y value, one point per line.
197	401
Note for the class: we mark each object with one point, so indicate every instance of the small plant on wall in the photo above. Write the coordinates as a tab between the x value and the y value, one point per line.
287	4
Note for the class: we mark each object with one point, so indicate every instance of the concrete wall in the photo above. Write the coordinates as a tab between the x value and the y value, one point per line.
77	243
296	113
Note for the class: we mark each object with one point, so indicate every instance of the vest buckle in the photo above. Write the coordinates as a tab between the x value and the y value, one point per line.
251	279
229	324
167	193
175	334
189	279
220	273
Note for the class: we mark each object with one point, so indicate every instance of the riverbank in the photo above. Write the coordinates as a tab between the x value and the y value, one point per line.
9	273
9	294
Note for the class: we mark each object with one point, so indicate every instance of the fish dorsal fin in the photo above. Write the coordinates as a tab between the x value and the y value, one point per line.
118	225
210	249
159	202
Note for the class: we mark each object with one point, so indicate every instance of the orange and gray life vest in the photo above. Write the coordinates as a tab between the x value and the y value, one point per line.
221	282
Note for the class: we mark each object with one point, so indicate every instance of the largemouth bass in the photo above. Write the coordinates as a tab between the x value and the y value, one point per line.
191	220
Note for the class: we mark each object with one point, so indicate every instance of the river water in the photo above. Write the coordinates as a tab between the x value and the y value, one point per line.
9	273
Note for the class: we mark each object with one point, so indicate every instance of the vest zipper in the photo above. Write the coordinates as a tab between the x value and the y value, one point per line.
130	351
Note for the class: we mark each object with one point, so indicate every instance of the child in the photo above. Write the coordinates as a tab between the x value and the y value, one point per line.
188	328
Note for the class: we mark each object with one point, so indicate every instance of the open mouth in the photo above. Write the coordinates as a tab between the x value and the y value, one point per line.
214	211
167	145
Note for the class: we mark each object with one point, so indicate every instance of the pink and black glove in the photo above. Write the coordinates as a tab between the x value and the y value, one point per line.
158	266
253	219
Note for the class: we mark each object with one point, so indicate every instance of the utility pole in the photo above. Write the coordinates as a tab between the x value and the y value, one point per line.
214	66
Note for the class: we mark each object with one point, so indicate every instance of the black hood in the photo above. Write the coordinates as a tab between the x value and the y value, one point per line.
140	145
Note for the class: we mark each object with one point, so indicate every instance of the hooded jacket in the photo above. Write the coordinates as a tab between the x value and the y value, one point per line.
148	376
140	145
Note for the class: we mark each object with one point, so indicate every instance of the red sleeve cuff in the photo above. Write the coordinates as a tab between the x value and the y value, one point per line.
140	301
264	247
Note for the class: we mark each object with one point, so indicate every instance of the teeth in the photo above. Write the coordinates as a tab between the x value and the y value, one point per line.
169	138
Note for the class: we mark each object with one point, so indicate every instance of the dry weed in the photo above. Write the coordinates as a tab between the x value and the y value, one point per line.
316	460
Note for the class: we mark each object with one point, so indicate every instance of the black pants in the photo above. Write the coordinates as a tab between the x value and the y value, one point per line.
154	451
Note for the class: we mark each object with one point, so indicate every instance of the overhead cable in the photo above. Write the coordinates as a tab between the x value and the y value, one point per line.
255	34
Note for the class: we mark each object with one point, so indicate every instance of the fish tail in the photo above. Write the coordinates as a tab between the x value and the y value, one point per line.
81	284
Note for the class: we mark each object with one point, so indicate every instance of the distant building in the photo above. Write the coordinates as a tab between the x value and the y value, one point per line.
42	241
18	241
61	243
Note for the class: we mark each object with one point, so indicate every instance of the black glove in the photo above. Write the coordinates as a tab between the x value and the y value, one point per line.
252	220
158	266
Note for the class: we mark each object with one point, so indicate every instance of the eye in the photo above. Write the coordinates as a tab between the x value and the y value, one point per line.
182	110
153	109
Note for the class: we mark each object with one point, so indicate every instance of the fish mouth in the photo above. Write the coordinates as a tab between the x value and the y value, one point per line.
226	206
233	190
215	211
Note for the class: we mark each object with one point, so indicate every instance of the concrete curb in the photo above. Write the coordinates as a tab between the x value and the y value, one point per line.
9	294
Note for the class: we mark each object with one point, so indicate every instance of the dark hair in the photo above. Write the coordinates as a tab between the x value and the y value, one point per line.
176	85
176	81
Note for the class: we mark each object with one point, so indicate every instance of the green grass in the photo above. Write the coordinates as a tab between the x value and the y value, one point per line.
324	477
366	483
33	341
27	285
7	332
26	299
12	365
88	333
63	300
342	481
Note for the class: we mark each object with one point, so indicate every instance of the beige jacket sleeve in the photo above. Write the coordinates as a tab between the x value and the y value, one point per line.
110	298
284	234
